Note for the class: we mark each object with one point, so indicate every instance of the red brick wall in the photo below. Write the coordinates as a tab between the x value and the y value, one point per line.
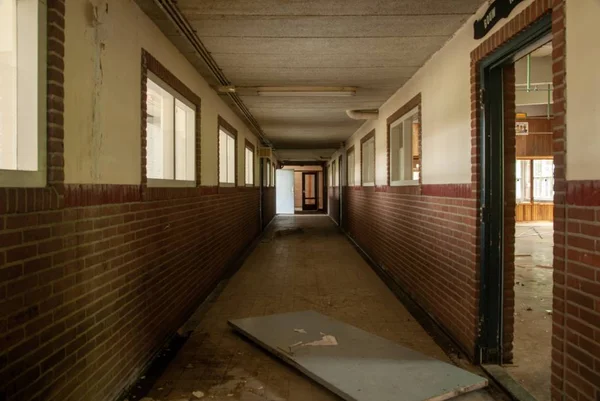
269	205
576	339
88	294
425	238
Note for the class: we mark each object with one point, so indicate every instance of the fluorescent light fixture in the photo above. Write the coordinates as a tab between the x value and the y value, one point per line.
307	93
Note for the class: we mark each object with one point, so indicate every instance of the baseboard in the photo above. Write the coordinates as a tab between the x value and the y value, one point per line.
140	387
453	348
508	384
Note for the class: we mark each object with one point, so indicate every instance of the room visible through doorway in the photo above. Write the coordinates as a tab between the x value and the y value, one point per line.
533	232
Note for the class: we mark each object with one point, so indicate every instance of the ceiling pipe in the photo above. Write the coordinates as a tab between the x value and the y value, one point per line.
172	12
363	114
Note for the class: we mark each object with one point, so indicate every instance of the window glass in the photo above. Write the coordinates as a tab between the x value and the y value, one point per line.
170	134
8	85
226	157
249	157
543	180
272	175
351	168
368	161
333	173
523	176
22	122
404	149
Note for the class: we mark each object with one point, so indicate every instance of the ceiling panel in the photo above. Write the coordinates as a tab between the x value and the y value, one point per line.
192	8
326	26
374	45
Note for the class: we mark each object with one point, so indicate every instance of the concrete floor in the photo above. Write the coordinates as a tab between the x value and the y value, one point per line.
533	305
316	268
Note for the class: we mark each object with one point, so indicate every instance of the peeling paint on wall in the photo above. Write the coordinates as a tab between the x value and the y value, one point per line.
97	16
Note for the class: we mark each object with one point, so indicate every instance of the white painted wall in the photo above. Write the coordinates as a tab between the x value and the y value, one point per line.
445	85
104	40
583	90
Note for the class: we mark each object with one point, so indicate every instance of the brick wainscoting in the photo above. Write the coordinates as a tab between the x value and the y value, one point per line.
89	292
269	205
576	341
424	237
333	196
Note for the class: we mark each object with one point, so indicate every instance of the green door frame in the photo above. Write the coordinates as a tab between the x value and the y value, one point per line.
491	300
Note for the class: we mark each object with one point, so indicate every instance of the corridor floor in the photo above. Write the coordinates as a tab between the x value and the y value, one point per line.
533	308
303	262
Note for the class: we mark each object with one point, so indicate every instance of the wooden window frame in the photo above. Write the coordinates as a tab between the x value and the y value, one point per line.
369	136
250	146
228	128
414	103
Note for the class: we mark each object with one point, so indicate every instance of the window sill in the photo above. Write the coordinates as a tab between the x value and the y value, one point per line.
405	183
158	183
226	184
250	185
368	184
22	179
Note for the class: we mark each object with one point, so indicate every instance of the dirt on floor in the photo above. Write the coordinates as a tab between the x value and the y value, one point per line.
533	308
309	264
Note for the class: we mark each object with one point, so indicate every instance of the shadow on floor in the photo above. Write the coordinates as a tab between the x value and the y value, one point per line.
303	263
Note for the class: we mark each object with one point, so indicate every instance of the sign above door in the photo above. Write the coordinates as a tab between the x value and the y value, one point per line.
498	10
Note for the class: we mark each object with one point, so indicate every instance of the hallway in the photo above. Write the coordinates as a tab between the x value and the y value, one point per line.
144	150
303	262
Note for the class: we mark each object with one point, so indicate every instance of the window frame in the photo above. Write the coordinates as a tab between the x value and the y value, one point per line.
231	131
369	137
527	185
33	178
351	167
272	181
172	182
413	106
402	120
151	66
249	146
334	172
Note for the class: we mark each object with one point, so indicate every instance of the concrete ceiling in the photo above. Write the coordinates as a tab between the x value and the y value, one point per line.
375	45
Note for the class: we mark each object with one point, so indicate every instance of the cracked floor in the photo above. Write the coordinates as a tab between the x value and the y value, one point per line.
303	262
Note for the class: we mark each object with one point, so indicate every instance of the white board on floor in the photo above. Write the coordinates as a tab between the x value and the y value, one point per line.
362	366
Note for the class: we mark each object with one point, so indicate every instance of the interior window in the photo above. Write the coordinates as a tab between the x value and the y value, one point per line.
226	157
405	164
170	134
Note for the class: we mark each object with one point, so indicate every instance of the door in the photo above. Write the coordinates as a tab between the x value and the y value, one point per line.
284	192
309	191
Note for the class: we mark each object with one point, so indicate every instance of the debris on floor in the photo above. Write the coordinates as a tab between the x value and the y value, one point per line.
326	341
338	360
302	331
198	394
288	231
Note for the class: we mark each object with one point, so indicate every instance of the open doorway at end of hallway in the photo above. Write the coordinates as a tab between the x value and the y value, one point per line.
518	196
300	189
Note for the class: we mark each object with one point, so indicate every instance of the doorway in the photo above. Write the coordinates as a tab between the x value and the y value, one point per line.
307	202
516	209
309	191
284	192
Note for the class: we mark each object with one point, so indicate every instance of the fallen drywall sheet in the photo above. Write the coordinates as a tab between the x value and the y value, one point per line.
354	364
